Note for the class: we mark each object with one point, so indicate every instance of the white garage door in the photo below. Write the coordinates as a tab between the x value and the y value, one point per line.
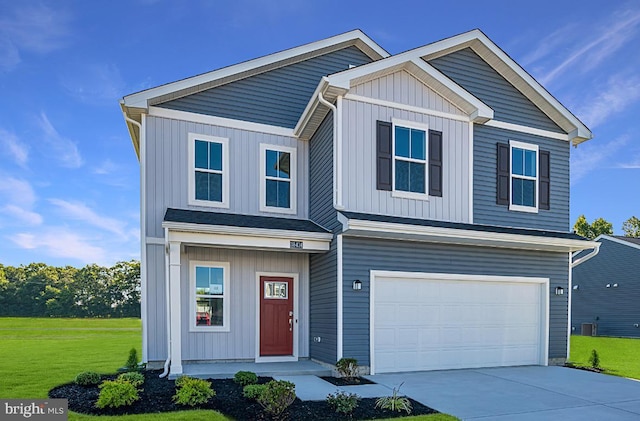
425	322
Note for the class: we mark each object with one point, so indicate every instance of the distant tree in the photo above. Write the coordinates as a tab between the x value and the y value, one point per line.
598	227
631	227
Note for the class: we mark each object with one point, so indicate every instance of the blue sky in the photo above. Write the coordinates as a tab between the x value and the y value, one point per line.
69	184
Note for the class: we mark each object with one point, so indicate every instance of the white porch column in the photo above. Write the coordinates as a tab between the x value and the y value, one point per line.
176	315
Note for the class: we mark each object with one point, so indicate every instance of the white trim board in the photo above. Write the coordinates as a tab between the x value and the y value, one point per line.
339	299
526	129
405	107
617	240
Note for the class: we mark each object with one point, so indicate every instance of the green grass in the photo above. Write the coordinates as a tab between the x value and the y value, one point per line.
618	356
37	354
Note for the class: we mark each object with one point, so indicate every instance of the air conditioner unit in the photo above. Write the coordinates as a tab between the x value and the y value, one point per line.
589	329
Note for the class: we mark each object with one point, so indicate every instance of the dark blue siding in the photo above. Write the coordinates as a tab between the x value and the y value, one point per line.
485	209
277	97
323	267
471	72
615	309
363	255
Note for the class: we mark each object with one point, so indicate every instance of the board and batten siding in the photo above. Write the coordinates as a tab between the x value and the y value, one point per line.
156	314
277	97
616	310
470	71
167	172
323	267
485	209
240	341
359	165
361	255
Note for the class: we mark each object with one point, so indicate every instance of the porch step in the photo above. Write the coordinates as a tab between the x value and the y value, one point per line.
226	370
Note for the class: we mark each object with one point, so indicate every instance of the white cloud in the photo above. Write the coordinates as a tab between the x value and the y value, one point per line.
107	167
25	216
12	146
66	150
589	156
95	83
18	199
61	242
619	92
81	212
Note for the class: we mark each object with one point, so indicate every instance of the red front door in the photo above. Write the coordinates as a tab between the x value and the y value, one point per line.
276	316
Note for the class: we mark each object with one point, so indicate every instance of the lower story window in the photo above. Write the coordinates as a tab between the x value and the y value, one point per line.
211	286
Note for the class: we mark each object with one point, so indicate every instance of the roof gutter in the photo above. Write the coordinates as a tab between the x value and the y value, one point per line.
593	253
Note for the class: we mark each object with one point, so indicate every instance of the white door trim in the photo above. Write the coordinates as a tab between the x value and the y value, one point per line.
296	316
543	282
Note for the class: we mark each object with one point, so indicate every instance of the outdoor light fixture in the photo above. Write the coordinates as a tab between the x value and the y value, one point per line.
615	285
576	287
608	285
559	291
357	285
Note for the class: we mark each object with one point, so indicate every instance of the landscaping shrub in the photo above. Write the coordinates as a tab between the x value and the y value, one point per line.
594	359
343	402
132	361
253	391
277	396
347	367
192	392
116	393
136	379
88	378
395	402
244	378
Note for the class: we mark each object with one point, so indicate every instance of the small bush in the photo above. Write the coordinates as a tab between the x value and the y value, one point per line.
244	378
192	392
132	361
594	359
343	402
136	379
116	393
88	378
395	402
253	391
277	396
347	367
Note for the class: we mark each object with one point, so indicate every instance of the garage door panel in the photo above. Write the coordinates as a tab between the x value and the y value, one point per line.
431	324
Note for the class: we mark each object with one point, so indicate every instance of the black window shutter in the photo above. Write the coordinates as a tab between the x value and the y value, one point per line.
544	180
383	156
502	172
435	163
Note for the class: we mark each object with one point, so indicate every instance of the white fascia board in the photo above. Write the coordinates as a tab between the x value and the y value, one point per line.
460	236
246	237
617	240
311	106
140	99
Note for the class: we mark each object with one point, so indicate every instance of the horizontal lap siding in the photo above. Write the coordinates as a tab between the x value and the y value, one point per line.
323	267
359	159
615	310
363	255
485	209
240	341
277	97
471	72
167	175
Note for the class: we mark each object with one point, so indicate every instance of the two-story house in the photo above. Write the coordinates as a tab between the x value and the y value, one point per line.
332	200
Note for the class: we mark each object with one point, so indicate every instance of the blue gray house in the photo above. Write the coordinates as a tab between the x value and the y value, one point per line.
333	200
606	289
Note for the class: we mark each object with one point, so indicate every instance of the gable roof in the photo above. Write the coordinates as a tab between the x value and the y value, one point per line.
625	241
419	57
135	104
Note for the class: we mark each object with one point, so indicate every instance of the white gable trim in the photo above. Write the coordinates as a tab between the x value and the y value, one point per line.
414	109
617	240
526	129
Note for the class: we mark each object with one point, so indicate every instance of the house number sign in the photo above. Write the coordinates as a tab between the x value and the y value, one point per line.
295	244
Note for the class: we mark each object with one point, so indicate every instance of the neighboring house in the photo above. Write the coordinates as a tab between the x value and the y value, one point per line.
332	200
606	289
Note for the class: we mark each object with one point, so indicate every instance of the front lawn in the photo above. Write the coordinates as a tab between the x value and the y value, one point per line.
618	356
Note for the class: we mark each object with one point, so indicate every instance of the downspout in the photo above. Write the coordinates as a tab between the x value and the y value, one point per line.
168	309
581	260
337	146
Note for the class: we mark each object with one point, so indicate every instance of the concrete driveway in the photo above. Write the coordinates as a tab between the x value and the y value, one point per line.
522	393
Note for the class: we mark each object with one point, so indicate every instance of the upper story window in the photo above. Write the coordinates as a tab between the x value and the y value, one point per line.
210	296
524	176
410	159
209	170
277	179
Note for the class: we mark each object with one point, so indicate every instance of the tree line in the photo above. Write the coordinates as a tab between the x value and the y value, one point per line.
40	290
600	226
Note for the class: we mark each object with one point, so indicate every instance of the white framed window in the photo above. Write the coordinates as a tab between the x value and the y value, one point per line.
410	159
523	176
278	179
208	171
209	296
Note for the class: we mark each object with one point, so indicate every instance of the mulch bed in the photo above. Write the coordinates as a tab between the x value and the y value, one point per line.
343	381
584	367
157	394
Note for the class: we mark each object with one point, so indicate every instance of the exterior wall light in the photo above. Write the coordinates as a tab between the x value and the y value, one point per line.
559	291
608	285
575	287
615	285
357	285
